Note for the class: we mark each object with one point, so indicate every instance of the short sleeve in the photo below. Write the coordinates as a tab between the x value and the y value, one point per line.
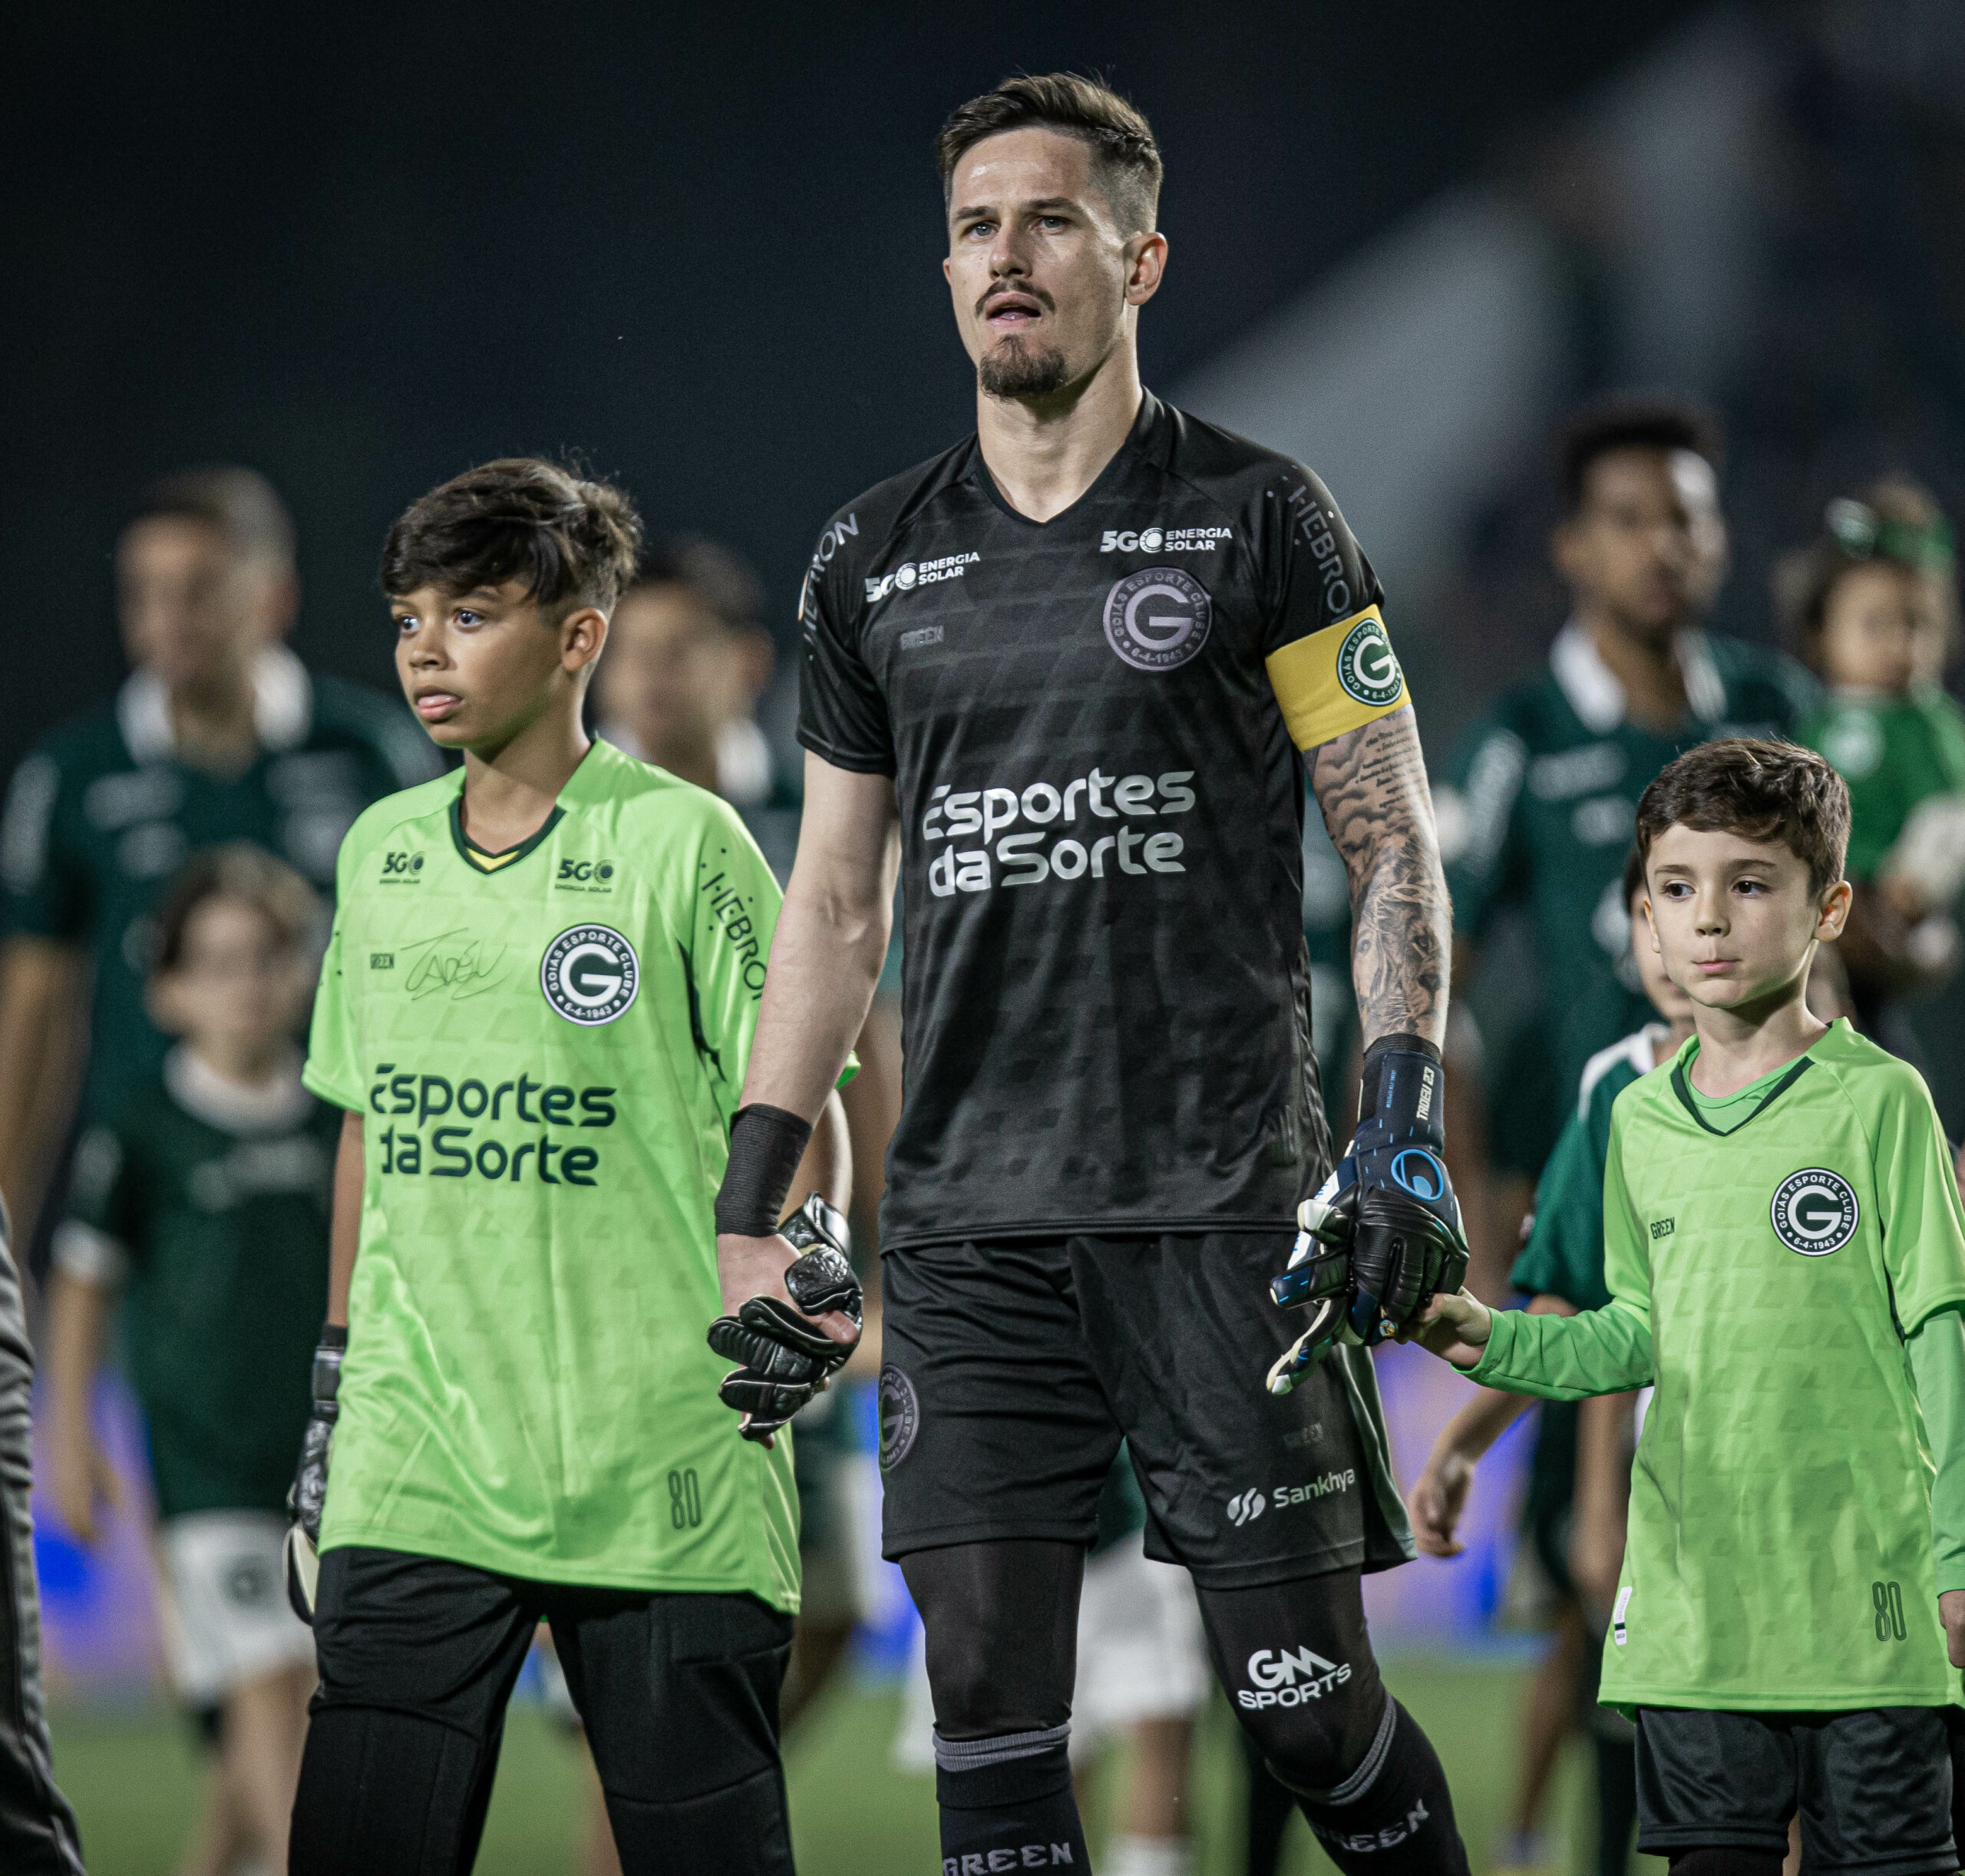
334	1057
1476	807
1564	1254
734	915
47	881
1328	656
103	1231
1922	1221
842	714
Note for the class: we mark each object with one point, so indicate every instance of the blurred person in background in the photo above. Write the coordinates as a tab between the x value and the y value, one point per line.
1870	604
1540	798
220	733
202	1200
37	1836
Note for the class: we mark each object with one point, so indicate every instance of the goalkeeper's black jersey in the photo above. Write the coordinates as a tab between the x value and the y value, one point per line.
1106	1002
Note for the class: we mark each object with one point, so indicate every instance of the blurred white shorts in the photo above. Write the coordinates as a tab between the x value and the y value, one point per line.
222	1608
1141	1654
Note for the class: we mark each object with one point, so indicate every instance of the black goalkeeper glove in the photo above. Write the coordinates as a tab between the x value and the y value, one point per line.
308	1491
785	1359
1383	1232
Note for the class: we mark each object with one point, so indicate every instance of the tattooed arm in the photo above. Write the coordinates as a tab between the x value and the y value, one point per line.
1370	784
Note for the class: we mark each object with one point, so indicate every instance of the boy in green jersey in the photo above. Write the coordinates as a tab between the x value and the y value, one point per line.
1870	604
1785	1250
537	1009
203	1198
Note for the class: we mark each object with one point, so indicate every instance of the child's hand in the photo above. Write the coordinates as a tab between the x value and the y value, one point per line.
1951	1607
1439	1496
1456	1328
80	1478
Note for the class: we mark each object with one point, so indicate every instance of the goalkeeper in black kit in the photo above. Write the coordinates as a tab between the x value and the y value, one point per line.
1072	675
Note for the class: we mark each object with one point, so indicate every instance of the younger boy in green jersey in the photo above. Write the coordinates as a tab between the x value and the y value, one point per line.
1785	1250
202	1197
537	1009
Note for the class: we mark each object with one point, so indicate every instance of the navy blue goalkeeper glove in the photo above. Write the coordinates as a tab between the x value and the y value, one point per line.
1383	1233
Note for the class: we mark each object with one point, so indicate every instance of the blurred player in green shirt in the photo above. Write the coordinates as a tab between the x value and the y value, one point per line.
1870	604
1536	809
1785	1251
537	1009
203	1198
218	733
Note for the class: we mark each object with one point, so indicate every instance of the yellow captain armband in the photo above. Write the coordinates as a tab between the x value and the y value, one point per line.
1337	679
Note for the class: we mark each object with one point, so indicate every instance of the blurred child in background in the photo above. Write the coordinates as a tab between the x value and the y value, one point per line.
203	1200
1871	604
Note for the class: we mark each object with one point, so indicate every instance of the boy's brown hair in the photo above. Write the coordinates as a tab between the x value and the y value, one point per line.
570	541
1760	791
1125	160
249	875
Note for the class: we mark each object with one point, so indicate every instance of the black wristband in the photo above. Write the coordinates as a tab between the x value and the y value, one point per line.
766	1145
1369	1088
334	1335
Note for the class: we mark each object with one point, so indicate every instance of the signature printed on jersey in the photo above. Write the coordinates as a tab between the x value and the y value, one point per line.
457	961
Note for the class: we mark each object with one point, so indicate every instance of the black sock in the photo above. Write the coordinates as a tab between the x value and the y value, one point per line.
1393	1815
1617	1804
1009	1795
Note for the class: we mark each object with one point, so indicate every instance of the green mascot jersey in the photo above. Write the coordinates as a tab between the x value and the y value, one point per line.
546	1047
1895	753
1766	1277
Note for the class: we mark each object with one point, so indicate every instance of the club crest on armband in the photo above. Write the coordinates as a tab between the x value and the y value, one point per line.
1367	666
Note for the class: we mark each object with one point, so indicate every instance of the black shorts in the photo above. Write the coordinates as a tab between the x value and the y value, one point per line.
1013	1368
1873	1786
678	1694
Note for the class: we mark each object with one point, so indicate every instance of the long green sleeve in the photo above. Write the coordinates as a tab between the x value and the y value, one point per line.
1606	1351
1567	1358
1937	1366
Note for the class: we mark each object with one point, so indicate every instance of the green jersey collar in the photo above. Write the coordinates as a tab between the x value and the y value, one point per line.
480	858
1786	1079
590	783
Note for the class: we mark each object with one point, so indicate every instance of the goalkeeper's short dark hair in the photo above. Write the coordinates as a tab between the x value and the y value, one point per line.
568	541
1761	790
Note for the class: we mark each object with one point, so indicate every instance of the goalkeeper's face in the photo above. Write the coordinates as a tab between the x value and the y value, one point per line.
1735	921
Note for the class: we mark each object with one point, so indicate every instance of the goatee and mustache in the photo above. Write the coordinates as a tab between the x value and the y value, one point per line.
1013	367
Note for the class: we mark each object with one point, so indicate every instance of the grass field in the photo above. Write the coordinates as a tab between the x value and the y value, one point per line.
132	1780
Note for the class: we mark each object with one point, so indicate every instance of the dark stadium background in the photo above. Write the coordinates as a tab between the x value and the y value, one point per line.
360	248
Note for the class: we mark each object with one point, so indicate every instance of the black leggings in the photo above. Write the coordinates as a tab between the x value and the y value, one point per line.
1002	1619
